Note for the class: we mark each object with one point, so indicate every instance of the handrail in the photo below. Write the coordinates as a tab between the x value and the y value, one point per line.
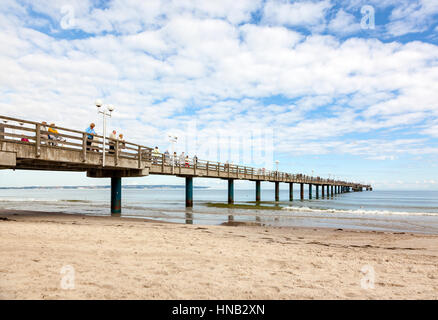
135	151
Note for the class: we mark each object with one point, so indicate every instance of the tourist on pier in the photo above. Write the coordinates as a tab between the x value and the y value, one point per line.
182	158
156	155
54	135
90	136
187	162
167	157
2	131
43	132
195	160
112	141
175	159
121	141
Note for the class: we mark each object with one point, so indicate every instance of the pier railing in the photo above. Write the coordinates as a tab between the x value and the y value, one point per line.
40	134
55	137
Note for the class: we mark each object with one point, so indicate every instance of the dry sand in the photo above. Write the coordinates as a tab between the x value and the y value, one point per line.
117	258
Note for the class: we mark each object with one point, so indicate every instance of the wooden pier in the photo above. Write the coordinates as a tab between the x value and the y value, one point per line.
26	145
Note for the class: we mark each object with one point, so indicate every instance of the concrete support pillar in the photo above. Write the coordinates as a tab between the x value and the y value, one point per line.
291	191
331	190
189	192
317	191
323	191
302	191
116	196
328	191
277	191
230	191
310	191
258	182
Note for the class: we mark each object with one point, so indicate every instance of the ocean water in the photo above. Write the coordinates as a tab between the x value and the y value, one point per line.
396	211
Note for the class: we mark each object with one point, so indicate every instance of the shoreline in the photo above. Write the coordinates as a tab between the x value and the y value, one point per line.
132	258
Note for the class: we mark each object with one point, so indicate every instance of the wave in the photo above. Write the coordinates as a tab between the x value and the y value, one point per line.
42	200
359	211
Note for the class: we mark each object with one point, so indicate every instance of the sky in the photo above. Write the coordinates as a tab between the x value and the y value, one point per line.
345	89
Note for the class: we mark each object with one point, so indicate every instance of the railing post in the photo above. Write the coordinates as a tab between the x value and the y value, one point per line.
207	166
84	146
139	157
162	162
38	140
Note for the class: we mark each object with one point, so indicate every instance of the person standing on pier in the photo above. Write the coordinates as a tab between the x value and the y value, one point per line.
167	157
91	133
122	141
182	158
156	154
112	142
2	131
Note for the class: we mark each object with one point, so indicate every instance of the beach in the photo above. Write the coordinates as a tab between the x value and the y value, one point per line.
133	258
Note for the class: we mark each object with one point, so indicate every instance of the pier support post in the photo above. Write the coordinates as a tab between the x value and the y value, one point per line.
258	190
322	191
277	191
189	192
317	191
328	191
116	197
302	191
310	191
230	191
331	190
291	191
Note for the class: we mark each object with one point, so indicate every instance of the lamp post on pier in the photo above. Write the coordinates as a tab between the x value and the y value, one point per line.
105	113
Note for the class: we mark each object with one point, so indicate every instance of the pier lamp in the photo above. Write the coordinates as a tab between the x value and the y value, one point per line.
172	139
105	113
276	166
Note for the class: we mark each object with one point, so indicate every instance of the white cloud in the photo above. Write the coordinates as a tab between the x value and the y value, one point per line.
344	23
202	65
298	13
412	16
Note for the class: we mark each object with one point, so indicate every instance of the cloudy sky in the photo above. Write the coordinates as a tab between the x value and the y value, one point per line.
340	88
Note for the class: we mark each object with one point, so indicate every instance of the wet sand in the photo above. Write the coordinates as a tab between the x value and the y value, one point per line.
119	258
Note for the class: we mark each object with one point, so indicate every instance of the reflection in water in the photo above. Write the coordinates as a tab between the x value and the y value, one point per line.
189	216
230	218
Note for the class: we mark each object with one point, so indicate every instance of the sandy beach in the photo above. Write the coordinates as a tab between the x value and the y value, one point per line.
118	258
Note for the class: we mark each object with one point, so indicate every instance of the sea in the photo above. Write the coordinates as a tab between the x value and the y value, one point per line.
388	211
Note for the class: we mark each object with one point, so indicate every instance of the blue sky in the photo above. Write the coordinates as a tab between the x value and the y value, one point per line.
316	83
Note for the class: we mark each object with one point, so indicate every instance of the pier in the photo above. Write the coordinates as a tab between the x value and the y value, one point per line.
25	145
